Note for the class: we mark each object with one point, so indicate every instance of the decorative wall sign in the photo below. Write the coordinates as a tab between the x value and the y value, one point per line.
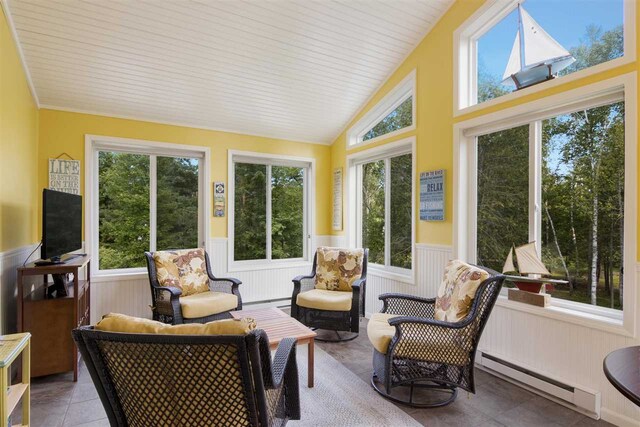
218	199
432	196
64	175
337	199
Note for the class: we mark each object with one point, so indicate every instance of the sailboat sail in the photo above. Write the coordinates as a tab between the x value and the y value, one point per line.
508	264
535	55
528	260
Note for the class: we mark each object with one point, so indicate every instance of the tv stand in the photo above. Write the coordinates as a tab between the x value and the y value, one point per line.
45	262
51	320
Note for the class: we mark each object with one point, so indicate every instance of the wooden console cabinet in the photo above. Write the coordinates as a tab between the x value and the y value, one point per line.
51	320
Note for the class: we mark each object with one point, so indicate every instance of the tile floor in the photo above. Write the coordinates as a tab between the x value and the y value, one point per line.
58	401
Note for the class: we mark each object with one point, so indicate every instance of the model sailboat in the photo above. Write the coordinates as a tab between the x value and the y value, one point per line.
524	260
535	55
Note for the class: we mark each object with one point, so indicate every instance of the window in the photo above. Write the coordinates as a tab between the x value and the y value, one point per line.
270	209
148	197
597	33
384	206
559	179
393	115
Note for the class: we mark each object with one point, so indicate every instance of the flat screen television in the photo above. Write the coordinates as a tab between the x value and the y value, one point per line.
61	224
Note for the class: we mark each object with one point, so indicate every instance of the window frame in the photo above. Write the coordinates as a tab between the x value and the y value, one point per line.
465	191
96	143
465	56
353	200
392	100
308	164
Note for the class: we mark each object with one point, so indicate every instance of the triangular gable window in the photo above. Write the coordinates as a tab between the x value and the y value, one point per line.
399	118
393	114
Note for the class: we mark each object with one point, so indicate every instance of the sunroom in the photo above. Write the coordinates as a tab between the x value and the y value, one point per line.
319	213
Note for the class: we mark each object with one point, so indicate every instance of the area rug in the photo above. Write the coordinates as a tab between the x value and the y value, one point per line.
340	398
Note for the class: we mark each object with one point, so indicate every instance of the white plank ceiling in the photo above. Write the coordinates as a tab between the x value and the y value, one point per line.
291	69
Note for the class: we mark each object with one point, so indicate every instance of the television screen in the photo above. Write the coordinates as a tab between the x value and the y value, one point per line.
61	223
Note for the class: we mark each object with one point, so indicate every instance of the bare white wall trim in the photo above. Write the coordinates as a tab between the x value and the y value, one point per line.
9	261
558	349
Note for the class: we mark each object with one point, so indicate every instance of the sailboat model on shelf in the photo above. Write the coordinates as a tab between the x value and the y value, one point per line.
524	260
535	56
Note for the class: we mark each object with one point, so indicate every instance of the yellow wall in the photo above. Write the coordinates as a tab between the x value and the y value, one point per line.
433	61
65	132
18	148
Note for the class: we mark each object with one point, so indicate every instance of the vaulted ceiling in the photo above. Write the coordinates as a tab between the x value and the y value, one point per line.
292	69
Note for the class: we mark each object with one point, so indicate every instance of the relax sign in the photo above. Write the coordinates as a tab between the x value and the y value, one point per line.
64	175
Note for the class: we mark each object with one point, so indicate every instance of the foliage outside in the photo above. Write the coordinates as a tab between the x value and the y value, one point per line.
582	210
373	210
287	212
399	118
124	215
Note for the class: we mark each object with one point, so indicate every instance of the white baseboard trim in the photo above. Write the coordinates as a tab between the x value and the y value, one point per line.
619	419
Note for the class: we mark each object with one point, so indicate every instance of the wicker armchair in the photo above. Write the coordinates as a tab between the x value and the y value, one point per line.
204	380
424	353
169	305
343	318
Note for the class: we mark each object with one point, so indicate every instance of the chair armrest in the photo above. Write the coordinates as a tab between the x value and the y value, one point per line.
233	280
408	305
173	291
285	354
303	283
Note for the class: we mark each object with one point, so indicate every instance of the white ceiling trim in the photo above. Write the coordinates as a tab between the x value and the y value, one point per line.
294	70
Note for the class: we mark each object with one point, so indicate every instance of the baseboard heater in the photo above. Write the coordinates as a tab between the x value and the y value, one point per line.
579	399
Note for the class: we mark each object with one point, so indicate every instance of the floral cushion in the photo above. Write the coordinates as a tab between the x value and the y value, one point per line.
457	290
184	269
337	268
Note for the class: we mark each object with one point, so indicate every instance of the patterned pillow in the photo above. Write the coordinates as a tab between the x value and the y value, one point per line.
338	268
184	269
457	290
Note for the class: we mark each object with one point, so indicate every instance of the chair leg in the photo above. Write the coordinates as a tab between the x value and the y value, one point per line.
339	339
452	393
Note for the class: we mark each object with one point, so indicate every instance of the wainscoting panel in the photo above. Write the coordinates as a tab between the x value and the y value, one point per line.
9	262
429	264
130	296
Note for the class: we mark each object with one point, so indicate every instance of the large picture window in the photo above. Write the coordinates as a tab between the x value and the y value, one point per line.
270	209
385	209
558	181
143	197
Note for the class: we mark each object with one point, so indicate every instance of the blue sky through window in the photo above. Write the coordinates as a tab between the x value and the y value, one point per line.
565	20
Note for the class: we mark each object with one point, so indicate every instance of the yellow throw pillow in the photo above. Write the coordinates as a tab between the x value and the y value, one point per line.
184	269
458	290
338	268
115	322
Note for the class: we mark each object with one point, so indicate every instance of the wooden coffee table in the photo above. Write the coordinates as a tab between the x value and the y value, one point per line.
278	325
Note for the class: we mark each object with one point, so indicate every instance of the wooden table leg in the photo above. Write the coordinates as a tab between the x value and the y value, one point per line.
310	369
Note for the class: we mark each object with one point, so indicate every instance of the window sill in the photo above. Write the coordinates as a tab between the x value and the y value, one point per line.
382	137
596	69
564	311
269	265
120	276
375	271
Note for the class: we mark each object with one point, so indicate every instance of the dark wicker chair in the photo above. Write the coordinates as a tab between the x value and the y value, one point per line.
348	321
413	360
165	301
171	380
